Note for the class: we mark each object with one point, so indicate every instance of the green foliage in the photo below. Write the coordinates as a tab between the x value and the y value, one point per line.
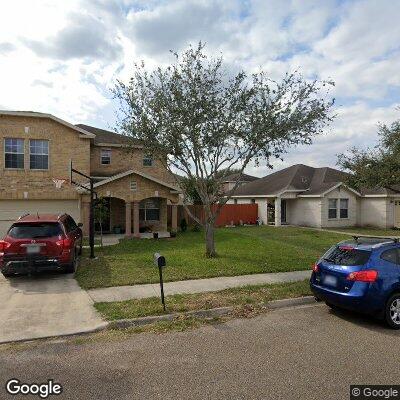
183	225
376	167
199	120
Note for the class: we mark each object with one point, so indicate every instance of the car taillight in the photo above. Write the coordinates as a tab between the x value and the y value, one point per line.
64	243
4	245
315	267
363	276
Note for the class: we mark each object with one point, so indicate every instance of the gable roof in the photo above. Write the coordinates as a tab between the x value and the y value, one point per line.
296	178
34	114
105	137
133	171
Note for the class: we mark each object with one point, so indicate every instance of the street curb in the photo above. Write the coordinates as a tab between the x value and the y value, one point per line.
211	313
65	335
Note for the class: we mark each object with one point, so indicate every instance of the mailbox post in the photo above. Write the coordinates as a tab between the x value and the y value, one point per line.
159	261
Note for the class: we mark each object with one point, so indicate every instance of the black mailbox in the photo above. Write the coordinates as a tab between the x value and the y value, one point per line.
159	260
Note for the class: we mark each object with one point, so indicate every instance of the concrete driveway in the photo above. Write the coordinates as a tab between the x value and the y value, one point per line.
44	305
307	352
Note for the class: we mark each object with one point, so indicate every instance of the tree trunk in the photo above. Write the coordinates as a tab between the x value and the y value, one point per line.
210	243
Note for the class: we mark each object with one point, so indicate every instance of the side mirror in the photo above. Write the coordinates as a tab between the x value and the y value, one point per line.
80	225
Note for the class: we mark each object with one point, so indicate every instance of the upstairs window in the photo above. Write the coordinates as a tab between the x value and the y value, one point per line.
147	161
105	157
332	210
14	153
344	208
38	154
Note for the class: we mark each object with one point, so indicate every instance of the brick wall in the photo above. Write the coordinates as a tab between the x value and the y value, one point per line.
64	144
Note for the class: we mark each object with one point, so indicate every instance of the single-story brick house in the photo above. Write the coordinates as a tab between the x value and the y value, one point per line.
319	197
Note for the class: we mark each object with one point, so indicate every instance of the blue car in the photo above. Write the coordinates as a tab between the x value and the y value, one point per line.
361	275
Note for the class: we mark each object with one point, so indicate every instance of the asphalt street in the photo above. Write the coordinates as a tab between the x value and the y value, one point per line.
307	352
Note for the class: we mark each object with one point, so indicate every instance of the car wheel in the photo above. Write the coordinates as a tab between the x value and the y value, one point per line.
7	274
71	268
332	306
392	311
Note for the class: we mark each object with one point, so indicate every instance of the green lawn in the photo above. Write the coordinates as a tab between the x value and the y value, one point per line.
369	231
253	295
244	250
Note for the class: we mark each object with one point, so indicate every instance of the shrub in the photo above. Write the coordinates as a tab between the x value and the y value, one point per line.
183	225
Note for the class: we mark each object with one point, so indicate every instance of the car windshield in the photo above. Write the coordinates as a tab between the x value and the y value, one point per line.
34	231
345	255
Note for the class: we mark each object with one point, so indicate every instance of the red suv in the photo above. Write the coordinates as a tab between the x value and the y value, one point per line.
41	242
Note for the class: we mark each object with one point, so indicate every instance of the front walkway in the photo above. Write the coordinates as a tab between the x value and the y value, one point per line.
120	293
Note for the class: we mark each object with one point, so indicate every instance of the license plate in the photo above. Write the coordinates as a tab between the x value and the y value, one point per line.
330	280
33	249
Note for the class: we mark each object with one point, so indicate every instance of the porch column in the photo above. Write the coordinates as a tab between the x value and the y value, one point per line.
136	232
128	219
266	211
277	211
174	218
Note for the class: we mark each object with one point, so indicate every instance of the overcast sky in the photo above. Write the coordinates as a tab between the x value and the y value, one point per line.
62	57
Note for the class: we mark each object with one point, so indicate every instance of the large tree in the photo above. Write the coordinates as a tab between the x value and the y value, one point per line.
378	166
198	119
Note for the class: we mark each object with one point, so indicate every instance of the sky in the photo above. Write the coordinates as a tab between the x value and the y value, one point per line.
63	57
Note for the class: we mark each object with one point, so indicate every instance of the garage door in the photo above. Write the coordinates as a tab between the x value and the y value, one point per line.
10	210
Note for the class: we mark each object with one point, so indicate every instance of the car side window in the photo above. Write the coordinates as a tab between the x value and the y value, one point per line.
73	223
70	224
391	255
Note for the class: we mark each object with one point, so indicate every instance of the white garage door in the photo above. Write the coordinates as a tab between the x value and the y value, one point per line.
10	210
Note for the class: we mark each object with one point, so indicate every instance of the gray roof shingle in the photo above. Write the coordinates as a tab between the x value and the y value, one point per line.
104	136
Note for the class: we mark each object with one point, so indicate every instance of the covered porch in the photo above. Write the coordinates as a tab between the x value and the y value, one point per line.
277	211
135	205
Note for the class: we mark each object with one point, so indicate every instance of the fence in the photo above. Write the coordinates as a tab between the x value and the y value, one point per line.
230	213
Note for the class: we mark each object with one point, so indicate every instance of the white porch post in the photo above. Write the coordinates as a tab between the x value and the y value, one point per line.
277	211
266	211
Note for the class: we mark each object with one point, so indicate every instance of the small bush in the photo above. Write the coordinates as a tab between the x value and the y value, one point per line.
183	225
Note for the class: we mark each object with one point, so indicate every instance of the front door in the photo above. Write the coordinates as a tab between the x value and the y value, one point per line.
283	211
397	214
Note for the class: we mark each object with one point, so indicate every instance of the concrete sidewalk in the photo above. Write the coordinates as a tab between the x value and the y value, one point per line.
120	293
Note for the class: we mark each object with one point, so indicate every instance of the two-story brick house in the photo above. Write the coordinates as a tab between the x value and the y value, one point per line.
37	148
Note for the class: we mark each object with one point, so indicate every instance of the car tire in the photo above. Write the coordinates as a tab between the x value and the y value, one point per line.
7	274
71	268
392	311
332	306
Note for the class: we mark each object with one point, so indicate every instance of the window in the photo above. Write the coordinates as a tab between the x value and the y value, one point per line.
149	210
38	154
332	211
391	256
344	208
147	161
105	157
343	255
133	186
70	224
14	153
33	231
